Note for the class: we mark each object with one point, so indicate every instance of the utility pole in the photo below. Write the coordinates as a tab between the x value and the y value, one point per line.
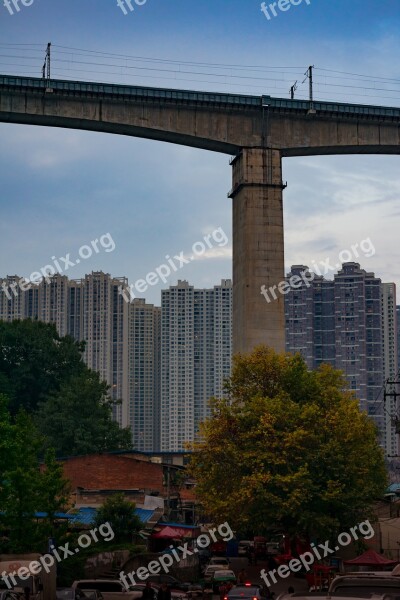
309	75
168	492
48	60
46	69
292	90
391	388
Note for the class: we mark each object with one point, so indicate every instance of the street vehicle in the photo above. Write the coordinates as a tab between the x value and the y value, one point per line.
69	594
244	546
221	561
175	594
245	592
260	546
218	548
172	582
220	577
42	586
209	572
364	584
10	595
111	589
325	596
92	595
272	548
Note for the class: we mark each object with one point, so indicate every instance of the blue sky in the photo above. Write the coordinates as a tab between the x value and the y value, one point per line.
60	189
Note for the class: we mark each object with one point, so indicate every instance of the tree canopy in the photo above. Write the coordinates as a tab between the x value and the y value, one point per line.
287	449
44	374
77	418
35	361
120	513
26	487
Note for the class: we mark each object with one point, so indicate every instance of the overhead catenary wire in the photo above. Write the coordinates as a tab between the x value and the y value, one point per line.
131	69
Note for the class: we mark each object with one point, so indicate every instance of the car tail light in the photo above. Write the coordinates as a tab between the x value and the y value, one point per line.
254	598
247	584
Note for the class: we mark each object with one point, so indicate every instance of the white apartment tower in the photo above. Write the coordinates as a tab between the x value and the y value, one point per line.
12	299
105	331
196	348
390	357
144	374
53	302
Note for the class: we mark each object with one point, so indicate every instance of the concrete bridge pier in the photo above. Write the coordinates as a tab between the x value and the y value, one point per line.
258	249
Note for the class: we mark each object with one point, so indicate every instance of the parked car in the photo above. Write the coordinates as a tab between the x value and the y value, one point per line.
175	594
69	594
10	595
362	584
220	577
92	595
209	572
221	561
172	582
244	546
325	596
243	592
111	589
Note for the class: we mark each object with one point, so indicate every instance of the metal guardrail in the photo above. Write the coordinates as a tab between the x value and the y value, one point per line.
202	98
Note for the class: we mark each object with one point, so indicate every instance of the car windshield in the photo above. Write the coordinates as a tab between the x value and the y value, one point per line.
65	594
103	586
243	591
365	591
219	561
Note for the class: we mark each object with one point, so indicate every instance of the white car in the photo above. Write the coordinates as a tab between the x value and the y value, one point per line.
110	589
221	561
244	546
209	572
10	595
175	594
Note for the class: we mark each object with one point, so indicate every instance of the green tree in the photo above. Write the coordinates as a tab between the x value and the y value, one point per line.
35	361
77	419
25	487
288	448
54	496
120	513
45	375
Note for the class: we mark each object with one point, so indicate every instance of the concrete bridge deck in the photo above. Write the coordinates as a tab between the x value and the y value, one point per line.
257	130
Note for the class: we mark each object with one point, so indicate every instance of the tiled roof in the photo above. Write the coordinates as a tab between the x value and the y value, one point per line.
86	515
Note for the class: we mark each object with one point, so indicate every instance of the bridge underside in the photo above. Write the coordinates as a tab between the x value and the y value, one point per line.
258	131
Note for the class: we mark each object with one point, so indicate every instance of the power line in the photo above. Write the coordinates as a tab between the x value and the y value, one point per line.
120	65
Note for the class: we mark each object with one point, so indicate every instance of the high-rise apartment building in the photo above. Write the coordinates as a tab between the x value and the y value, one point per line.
196	347
53	302
144	337
390	358
342	322
12	300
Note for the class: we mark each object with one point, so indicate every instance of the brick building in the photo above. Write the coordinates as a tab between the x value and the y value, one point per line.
95	477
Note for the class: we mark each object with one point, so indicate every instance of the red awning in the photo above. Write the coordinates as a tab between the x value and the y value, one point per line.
168	533
174	531
370	558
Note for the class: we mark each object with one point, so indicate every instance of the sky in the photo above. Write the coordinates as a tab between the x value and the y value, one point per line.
62	189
